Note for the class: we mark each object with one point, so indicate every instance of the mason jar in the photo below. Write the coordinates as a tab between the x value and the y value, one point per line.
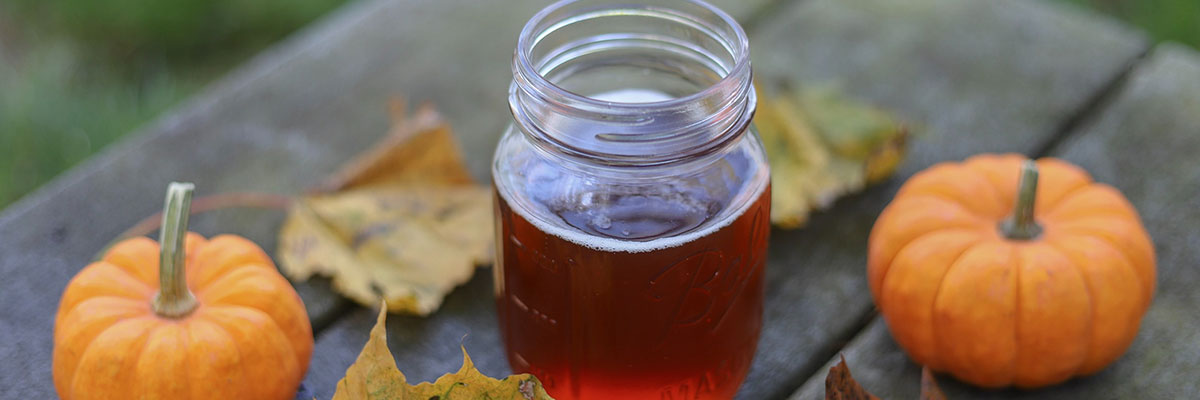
632	203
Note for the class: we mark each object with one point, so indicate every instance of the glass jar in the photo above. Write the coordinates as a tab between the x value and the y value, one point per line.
632	203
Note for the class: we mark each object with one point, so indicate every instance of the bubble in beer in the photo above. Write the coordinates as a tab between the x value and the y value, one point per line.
600	221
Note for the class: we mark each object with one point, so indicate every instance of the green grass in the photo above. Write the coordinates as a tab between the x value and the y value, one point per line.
76	75
1163	20
56	109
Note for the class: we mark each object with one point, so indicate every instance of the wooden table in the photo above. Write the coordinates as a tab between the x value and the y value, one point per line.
976	76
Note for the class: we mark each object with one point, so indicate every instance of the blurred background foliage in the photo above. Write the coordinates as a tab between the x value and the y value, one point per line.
1162	20
75	75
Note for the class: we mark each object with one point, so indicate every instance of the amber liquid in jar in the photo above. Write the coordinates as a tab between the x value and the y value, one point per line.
679	320
632	203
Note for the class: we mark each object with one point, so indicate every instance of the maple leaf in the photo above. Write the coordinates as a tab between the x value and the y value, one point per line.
374	375
822	146
403	223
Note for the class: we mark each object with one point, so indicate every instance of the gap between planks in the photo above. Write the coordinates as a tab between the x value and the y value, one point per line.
1090	109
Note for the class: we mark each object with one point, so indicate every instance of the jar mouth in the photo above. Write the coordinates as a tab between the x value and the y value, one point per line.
698	47
544	22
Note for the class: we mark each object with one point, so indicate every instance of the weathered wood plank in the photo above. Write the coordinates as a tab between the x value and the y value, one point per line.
968	71
1143	142
975	76
276	125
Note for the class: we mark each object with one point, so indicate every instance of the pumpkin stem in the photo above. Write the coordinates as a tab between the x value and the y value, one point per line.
174	300
1021	226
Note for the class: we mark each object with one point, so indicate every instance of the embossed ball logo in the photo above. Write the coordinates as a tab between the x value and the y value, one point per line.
701	288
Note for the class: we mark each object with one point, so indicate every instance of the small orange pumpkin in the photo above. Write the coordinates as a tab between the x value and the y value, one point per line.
980	273
228	326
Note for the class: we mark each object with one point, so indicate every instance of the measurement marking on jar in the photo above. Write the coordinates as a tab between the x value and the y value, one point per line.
548	380
533	312
547	263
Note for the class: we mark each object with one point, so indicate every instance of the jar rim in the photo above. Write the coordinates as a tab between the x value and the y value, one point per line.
739	51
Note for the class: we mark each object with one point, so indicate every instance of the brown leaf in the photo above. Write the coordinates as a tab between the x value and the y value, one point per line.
402	223
419	150
374	376
822	146
839	385
929	386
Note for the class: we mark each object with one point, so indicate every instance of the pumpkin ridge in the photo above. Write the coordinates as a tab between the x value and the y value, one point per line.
133	278
130	254
226	287
885	225
249	297
220	281
934	353
926	190
224	329
133	301
227	307
210	281
998	188
138	346
62	337
231	317
1016	267
1059	174
937	334
275	325
1115	336
1087	284
155	355
85	281
199	322
1147	287
185	343
225	254
947	199
1051	208
1098	212
141	346
125	273
966	229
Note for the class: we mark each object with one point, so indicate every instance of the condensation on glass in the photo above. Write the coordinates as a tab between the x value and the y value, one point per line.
632	203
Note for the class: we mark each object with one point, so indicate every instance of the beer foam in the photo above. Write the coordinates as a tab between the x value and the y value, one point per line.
613	245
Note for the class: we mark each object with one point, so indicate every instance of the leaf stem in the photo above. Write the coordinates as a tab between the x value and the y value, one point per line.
214	202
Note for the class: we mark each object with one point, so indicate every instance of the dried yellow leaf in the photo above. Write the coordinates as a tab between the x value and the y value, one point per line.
403	223
823	146
374	376
419	150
